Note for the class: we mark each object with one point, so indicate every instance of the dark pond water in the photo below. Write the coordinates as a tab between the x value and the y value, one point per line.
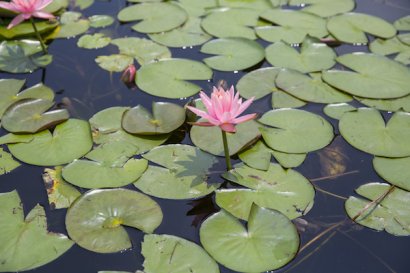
85	89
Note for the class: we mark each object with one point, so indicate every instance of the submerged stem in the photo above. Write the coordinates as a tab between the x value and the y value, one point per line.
226	150
43	46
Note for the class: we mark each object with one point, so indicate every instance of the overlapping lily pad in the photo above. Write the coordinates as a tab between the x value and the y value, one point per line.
250	4
269	241
288	160
7	163
97	40
258	83
284	190
185	173
114	62
95	220
167	253
72	25
391	214
394	170
26	243
392	46
233	53
295	131
402	23
366	130
337	110
26	29
108	120
391	105
325	8
169	78
69	140
281	99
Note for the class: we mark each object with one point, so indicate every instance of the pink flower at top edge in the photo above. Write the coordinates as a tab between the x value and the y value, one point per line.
27	9
223	109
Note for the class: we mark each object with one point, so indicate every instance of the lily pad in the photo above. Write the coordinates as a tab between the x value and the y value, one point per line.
100	21
22	56
115	153
108	120
197	8
403	23
26	243
95	220
284	190
167	253
185	174
69	140
288	160
7	163
71	25
313	56
337	110
374	76
83	4
139	120
169	78
154	17
391	105
295	131
97	40
233	53
209	139
250	4
115	62
394	170
391	215
281	99
290	35
404	38
258	83
269	241
352	27
26	29
12	138
258	156
30	116
392	46
324	8
366	130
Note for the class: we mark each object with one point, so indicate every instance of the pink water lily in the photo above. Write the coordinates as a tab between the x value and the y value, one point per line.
128	75
223	109
27	9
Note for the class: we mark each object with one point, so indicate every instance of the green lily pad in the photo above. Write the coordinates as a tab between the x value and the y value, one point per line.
197	8
227	23
184	175
313	56
115	153
404	38
391	105
209	139
70	140
22	56
143	50
71	25
167	253
7	163
100	21
115	62
26	29
295	131
366	130
373	76
154	17
394	170
60	193
169	78
324	8
290	35
139	120
56	5
189	34
30	116
26	243
83	4
391	215
337	110
284	190
95	220
233	53
402	23
269	241
108	120
258	156
392	46
97	40
258	83
12	138
352	27
288	160
307	88
250	4
281	99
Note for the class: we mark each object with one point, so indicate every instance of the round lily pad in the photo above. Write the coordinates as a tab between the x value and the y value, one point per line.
295	131
115	62
337	110
281	99
391	214
154	17
95	220
169	78
366	130
288	34
233	53
167	253
97	21
71	25
70	140
139	120
97	40
324	8
288	160
391	105
394	170
269	241
373	76
389	46
258	83
108	120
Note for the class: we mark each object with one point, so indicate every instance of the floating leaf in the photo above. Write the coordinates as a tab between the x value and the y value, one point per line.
325	8
258	83
139	120
154	17
394	170
391	214
26	29
269	241
197	8
258	156
83	4
69	140
12	138
97	21
169	78
56	5
71	25
250	4
295	131
288	160
391	105
373	76
403	23
233	53
337	110
115	153
26	243
7	163
391	46
167	253
185	174
404	38
95	220
115	62
352	27
365	130
284	190
290	35
313	56
97	40
108	120
281	99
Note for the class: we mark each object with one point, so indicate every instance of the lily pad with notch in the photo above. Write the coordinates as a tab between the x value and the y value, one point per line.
26	29
394	170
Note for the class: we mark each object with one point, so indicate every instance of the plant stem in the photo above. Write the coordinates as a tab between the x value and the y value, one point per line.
226	150
43	46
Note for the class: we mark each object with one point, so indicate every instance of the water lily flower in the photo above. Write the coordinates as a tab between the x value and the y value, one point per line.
128	76
223	109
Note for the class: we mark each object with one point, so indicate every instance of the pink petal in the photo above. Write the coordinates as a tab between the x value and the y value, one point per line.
244	118
44	4
228	127
208	103
8	6
204	115
243	107
17	20
42	14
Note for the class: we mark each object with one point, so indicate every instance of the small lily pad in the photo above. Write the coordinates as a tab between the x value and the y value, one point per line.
100	21
115	62
95	220
72	25
83	4
402	23
394	170
108	120
269	241
337	110
324	8
13	138
258	83
97	40
7	163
